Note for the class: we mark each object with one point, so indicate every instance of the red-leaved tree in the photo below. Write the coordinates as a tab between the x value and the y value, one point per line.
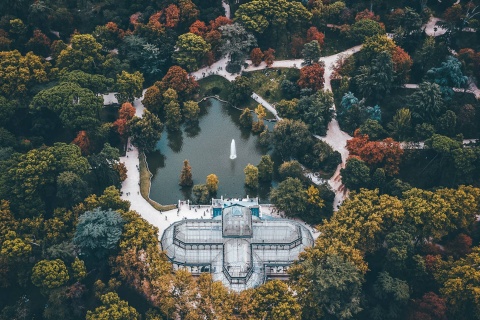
82	141
314	34
269	56
256	56
311	77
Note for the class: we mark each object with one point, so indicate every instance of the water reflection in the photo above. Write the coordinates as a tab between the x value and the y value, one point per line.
206	145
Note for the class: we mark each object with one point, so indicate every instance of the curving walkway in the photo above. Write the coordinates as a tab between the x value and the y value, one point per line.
226	6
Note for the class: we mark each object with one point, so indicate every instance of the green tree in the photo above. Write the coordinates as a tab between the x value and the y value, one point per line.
265	168
246	118
240	90
98	232
426	103
356	174
14	247
448	75
291	169
327	287
191	111
290	197
274	300
94	82
291	138
365	28
129	86
77	108
173	115
376	79
373	129
145	131
84	53
311	53
401	126
251	176
113	308
186	175
71	189
201	193
392	296
191	50
212	183
317	111
287	108
49	274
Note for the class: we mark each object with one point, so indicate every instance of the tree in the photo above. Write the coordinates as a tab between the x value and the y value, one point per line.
79	269
314	34
402	63
287	108
426	103
386	153
84	53
186	175
71	189
317	111
311	53
459	285
327	287
372	46
113	308
49	274
356	174
173	115
39	43
290	197
429	307
275	300
256	56
129	86
18	73
373	129
145	131
275	16
179	80
265	168
191	49
201	193
448	75
240	90
152	100
365	28
258	125
83	142
246	118
191	111
127	111
77	108
291	138
269	56
98	232
401	126
377	78
212	183
251	176
94	82
311	77
291	169
236	43
109	35
392	296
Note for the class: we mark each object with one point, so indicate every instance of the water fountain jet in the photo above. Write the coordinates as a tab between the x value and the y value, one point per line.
233	150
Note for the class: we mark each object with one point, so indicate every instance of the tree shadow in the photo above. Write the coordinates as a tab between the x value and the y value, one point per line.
175	140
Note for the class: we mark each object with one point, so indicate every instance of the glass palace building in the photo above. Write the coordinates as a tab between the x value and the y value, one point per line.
238	246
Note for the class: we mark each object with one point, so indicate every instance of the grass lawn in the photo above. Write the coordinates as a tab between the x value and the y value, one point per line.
266	83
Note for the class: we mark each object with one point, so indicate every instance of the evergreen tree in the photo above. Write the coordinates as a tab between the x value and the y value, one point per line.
186	175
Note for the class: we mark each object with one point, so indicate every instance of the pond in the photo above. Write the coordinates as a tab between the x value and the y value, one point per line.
207	147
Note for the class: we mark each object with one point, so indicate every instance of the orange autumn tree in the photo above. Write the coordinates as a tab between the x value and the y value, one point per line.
269	56
384	154
127	111
172	16
82	141
314	34
179	80
311	77
256	56
402	63
296	46
198	28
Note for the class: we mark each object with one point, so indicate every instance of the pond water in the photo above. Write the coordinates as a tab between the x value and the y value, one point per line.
207	147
